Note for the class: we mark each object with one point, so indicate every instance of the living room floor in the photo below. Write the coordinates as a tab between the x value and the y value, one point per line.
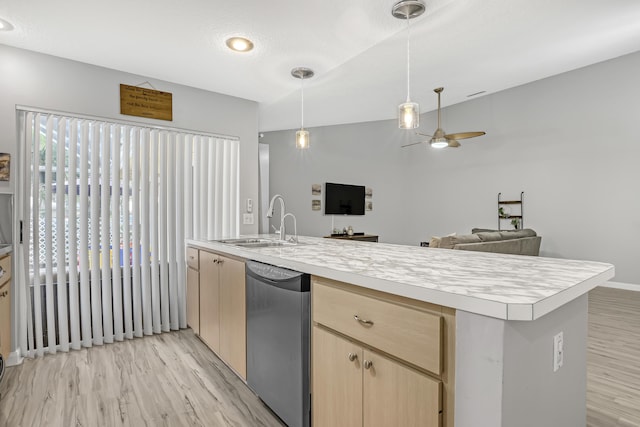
613	358
173	379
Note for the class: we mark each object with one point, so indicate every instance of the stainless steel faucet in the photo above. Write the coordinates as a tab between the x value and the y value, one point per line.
281	231
294	238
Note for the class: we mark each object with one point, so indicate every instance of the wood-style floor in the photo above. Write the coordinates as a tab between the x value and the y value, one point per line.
613	359
174	380
171	379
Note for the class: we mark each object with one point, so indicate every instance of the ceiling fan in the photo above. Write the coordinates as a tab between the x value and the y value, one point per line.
441	140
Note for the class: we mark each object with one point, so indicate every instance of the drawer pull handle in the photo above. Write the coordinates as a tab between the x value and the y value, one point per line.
362	321
368	364
352	357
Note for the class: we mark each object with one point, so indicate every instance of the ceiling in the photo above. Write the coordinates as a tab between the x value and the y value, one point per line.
357	48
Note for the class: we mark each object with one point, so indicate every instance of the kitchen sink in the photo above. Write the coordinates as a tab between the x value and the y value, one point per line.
244	241
265	244
257	242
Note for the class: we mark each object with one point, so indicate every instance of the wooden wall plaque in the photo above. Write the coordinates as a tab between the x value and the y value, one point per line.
143	102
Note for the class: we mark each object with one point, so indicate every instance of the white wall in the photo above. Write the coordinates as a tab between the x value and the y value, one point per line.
571	142
36	80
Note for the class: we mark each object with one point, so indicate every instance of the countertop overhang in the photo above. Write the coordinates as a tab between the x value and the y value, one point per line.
508	287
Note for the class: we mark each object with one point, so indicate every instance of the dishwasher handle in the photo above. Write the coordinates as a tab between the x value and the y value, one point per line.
278	276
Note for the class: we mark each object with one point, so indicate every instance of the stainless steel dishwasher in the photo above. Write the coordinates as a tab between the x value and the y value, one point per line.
278	333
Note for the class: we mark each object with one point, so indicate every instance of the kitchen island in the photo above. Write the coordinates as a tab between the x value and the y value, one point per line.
506	311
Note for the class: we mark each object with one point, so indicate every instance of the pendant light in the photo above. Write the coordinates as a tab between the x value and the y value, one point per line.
408	112
302	136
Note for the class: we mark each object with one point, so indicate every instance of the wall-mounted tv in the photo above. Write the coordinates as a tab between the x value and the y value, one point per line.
343	199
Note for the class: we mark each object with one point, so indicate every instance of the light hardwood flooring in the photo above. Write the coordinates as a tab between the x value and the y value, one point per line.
613	359
171	379
174	380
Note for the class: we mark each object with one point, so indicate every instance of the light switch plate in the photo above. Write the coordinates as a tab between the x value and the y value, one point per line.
247	219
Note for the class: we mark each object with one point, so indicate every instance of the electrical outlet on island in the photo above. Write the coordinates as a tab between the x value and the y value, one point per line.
558	351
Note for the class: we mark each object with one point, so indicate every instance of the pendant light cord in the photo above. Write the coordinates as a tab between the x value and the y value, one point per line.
302	102
408	60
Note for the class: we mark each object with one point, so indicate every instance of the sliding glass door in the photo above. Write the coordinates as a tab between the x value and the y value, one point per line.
106	208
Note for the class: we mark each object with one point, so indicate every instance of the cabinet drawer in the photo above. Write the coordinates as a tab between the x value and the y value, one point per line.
5	269
405	332
192	258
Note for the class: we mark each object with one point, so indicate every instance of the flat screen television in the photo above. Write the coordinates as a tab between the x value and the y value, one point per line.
343	199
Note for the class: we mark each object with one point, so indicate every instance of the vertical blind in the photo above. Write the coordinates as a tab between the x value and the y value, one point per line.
106	209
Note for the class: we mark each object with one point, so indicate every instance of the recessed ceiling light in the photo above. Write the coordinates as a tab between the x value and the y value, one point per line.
239	44
5	25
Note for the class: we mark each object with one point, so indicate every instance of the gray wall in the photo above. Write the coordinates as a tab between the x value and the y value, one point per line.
534	395
504	369
36	80
570	142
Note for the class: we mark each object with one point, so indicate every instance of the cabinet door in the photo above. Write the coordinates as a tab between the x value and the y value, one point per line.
336	381
193	300
233	317
210	300
5	306
397	395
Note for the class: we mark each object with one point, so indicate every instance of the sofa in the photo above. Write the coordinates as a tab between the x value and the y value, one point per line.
518	242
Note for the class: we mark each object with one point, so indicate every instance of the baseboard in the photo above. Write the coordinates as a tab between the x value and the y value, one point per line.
14	358
620	285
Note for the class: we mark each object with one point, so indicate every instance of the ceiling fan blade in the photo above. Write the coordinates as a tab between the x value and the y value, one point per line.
464	135
453	143
414	143
423	134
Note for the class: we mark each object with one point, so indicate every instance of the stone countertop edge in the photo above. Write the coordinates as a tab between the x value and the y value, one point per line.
486	303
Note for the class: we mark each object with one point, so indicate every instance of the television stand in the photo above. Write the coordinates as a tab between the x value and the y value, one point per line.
360	237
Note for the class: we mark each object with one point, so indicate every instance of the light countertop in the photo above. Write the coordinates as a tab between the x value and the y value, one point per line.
510	287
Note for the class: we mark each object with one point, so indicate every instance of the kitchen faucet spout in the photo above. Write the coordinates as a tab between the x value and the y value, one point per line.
294	238
281	232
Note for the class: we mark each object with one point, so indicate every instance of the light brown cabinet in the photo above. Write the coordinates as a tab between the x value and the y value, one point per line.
223	309
233	315
193	290
378	359
354	386
5	306
337	380
210	300
395	394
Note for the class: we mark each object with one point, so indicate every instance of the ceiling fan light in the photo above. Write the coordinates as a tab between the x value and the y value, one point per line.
302	139
408	115
439	142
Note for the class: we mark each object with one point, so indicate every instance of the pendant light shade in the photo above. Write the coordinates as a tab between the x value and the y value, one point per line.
408	115
302	136
302	139
408	112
